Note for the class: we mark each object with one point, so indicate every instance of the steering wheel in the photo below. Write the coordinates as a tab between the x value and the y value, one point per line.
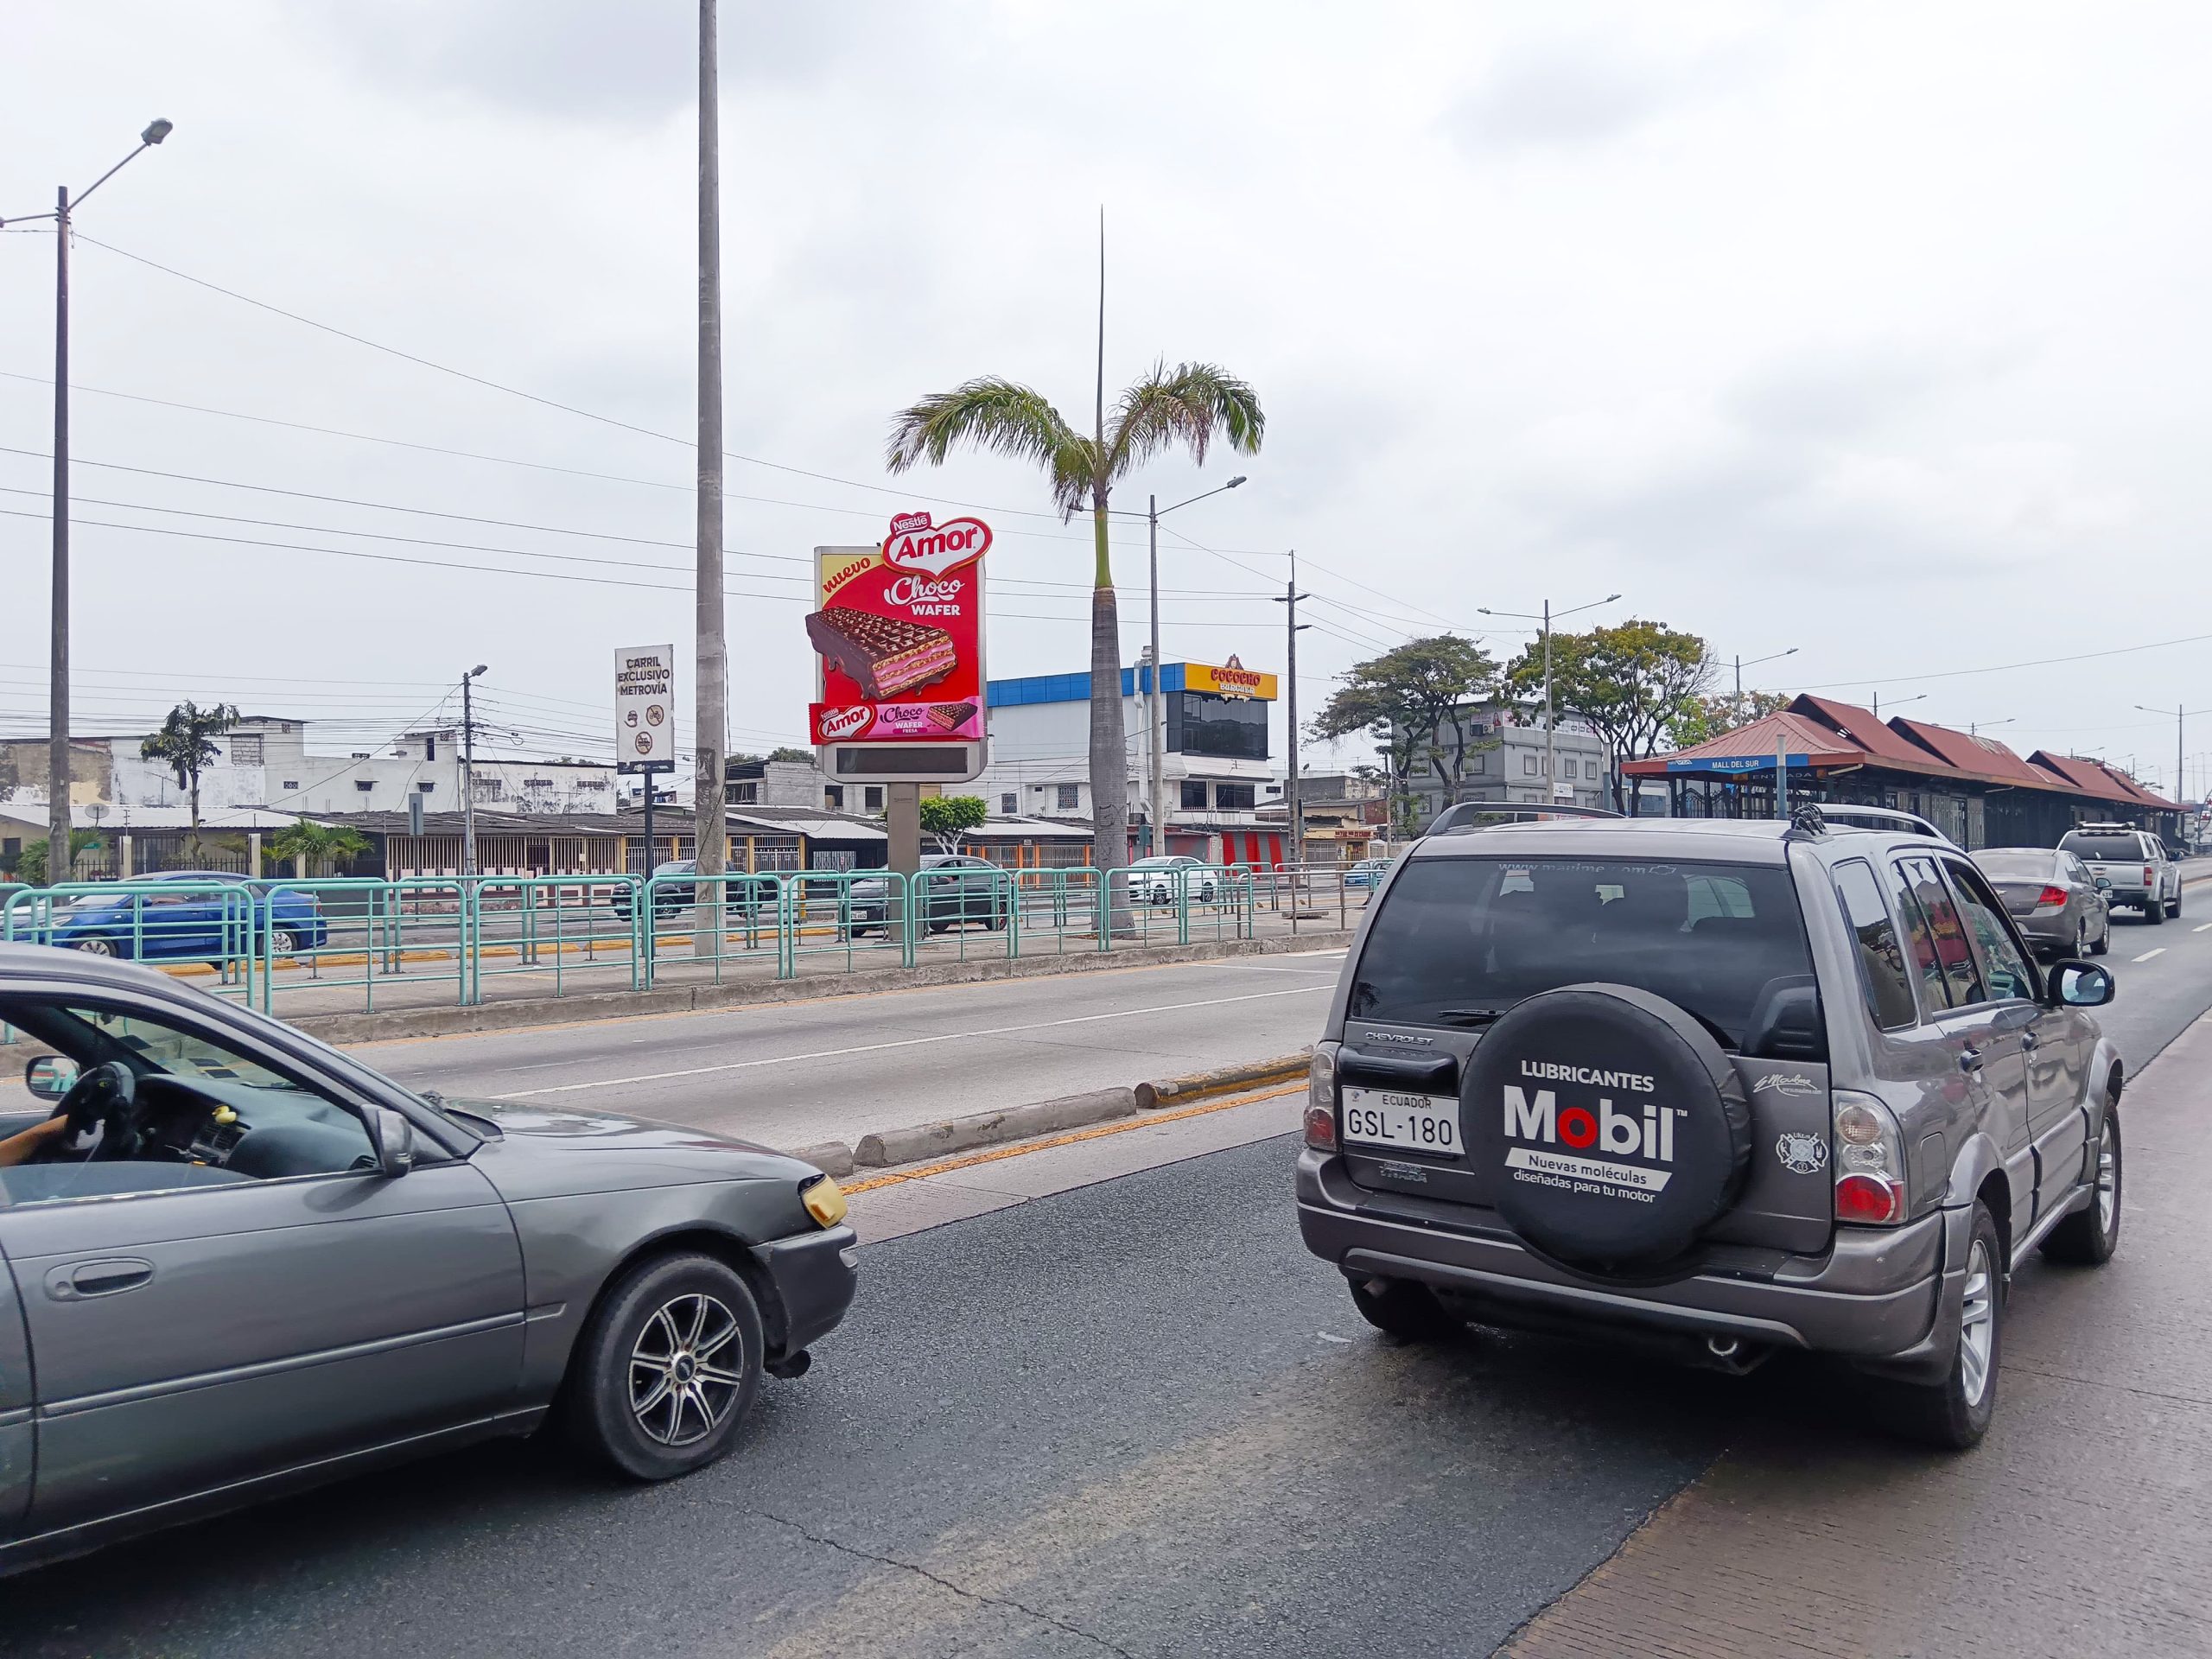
106	1098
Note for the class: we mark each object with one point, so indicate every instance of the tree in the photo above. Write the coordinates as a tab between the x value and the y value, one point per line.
30	863
1706	717
186	744
1633	683
1184	406
1410	696
945	818
314	848
800	757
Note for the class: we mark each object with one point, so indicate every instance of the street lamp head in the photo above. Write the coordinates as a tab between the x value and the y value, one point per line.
1609	599
161	129
1234	482
478	669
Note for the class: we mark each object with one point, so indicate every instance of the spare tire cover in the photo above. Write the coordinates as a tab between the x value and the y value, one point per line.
1611	1126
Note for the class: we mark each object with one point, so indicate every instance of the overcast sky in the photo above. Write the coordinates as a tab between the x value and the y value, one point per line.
1877	331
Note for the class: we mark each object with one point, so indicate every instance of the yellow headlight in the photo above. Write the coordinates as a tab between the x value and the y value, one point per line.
825	1201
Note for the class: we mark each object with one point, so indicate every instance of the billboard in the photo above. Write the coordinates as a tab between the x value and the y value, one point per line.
898	629
644	709
1231	679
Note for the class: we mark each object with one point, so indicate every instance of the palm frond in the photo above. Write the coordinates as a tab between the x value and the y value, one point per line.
1000	417
1188	404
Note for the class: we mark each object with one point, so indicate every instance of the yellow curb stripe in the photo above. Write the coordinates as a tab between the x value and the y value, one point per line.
1120	1126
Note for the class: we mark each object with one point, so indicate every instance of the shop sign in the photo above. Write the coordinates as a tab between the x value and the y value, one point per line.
1230	679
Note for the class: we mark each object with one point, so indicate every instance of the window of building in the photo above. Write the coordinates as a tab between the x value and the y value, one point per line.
1068	797
1569	768
290	784
245	751
425	788
430	748
1194	795
871	799
1234	798
1199	723
364	784
1528	764
1479	763
833	796
1007	806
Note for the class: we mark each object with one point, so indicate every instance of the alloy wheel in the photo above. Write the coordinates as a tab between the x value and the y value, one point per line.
97	947
682	1381
1977	1324
2107	1177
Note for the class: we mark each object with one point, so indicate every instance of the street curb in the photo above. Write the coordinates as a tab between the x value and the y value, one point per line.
891	1148
401	1023
928	1140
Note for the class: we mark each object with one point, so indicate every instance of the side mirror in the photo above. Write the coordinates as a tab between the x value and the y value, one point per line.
50	1077
2081	984
2104	884
395	1140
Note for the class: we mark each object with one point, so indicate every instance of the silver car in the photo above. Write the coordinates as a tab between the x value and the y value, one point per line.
234	1261
2057	905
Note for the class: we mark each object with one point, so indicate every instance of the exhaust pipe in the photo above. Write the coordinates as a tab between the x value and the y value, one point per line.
1730	1354
1722	1348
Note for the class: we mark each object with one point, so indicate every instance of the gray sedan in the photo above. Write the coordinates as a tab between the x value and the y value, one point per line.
234	1261
2059	907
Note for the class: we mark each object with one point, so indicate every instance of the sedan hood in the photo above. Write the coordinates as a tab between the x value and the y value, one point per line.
540	1151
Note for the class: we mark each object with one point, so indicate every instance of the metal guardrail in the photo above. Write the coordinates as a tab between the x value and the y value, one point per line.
262	939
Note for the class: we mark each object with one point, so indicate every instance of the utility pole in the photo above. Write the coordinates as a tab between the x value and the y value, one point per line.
1155	707
469	773
1551	726
59	866
1294	813
710	823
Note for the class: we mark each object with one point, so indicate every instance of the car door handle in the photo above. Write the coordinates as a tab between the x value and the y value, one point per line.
81	1280
1969	1059
2029	1039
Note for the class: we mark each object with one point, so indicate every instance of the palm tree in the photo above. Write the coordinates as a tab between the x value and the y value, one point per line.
186	744
316	846
1187	405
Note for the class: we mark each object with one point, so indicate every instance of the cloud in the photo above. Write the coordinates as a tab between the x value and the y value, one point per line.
1565	92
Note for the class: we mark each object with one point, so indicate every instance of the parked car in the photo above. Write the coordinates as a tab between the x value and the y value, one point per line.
1368	873
1842	814
2134	862
953	889
1162	880
2057	904
1729	1086
740	897
193	915
251	1263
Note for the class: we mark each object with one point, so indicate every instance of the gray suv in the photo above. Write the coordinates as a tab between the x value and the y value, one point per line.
1733	1087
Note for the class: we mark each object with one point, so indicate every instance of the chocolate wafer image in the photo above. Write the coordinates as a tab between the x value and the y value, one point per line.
884	655
951	716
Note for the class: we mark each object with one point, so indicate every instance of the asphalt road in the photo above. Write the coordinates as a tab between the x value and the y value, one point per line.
1132	1418
796	1074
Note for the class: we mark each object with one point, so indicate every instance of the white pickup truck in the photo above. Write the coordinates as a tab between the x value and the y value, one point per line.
2133	861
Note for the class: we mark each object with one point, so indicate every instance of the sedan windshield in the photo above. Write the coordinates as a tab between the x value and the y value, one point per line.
1459	940
2016	866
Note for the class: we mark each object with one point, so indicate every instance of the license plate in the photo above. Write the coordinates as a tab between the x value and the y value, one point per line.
1383	1117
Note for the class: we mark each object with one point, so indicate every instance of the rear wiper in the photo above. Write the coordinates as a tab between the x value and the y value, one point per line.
1471	1016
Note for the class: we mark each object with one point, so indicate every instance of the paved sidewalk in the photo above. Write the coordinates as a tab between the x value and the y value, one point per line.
2081	1526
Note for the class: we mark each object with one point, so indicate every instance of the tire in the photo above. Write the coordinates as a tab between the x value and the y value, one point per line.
2174	909
1403	1309
644	1316
2104	939
2087	1237
2154	912
282	942
97	946
1954	1413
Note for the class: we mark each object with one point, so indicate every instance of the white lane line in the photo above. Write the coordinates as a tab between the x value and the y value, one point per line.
909	1042
2200	927
2147	955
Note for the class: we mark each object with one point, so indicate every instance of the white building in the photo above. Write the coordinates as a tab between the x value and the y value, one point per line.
1216	765
1505	762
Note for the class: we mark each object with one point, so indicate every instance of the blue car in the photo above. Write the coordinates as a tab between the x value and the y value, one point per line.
1368	873
193	915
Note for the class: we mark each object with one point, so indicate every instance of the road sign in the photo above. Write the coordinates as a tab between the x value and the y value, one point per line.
899	638
644	709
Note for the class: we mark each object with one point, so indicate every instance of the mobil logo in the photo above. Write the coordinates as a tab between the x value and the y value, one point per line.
916	545
845	722
1647	1133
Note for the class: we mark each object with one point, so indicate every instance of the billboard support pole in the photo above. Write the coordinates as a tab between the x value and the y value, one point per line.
902	824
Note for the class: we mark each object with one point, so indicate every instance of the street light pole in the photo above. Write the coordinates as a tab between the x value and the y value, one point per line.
1155	706
469	773
1293	807
59	863
1551	741
710	826
1736	708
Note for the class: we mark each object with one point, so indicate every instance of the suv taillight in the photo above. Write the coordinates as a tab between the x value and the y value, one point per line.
1321	1098
1870	1184
2149	875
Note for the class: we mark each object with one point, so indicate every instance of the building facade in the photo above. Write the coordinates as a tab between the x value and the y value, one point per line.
1504	749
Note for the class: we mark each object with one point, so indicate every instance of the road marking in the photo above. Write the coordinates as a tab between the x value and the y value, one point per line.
2147	955
1120	1126
907	1042
2200	927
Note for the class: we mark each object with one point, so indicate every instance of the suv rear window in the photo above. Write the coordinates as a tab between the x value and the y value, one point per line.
1459	940
2111	847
